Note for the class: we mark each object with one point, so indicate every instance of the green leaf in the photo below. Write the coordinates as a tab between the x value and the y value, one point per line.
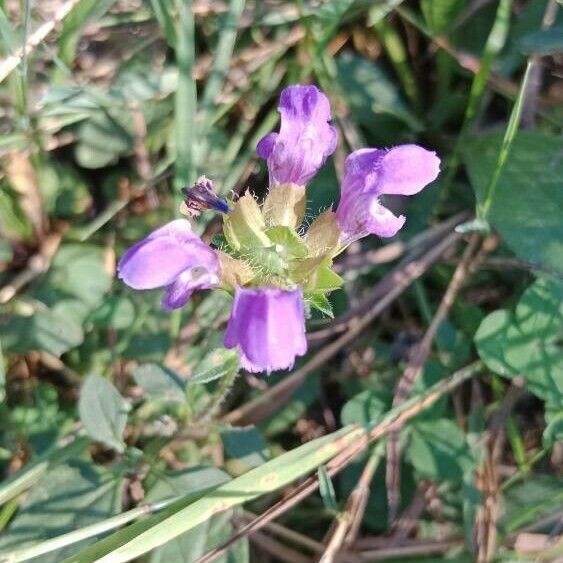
160	383
543	42
103	138
528	502
554	429
116	312
320	302
365	408
6	253
47	330
246	445
326	490
371	93
68	497
527	205
103	412
439	450
215	366
527	343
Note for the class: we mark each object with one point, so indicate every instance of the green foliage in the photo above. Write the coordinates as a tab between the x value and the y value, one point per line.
103	412
527	342
246	445
70	496
526	205
160	383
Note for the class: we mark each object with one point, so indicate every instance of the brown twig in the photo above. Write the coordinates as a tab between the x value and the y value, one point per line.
340	461
469	262
397	281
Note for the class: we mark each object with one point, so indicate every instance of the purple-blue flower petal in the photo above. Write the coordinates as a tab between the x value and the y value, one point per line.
306	139
370	173
173	257
267	325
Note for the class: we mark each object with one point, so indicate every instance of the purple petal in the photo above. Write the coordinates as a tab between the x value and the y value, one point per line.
173	257
265	146
305	139
268	327
179	292
407	169
360	216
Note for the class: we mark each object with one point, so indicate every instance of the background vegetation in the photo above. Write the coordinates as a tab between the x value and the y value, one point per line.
436	389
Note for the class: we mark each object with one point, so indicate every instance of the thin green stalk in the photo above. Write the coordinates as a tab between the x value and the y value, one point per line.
495	42
97	529
509	135
397	53
218	396
222	60
186	98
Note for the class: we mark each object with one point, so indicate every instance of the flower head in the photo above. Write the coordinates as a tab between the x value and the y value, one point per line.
370	173
172	257
306	139
267	325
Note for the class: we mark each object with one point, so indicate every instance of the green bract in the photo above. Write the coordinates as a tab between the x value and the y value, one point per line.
268	246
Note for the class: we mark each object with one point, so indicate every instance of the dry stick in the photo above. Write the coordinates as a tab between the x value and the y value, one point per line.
280	394
418	359
11	62
340	461
348	524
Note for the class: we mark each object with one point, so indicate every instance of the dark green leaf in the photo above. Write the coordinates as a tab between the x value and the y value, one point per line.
160	383
66	498
246	445
103	411
527	204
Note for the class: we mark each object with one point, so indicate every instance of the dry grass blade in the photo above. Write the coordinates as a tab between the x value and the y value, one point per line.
39	35
469	262
394	418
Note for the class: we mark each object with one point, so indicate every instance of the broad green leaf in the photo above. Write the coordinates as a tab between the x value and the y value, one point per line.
66	498
526	209
5	251
103	411
365	408
531	500
103	138
160	383
439	450
371	93
528	342
544	42
115	311
46	330
325	280
216	365
246	445
78	271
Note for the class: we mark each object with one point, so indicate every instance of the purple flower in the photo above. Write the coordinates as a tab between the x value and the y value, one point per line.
305	141
172	257
370	173
268	326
